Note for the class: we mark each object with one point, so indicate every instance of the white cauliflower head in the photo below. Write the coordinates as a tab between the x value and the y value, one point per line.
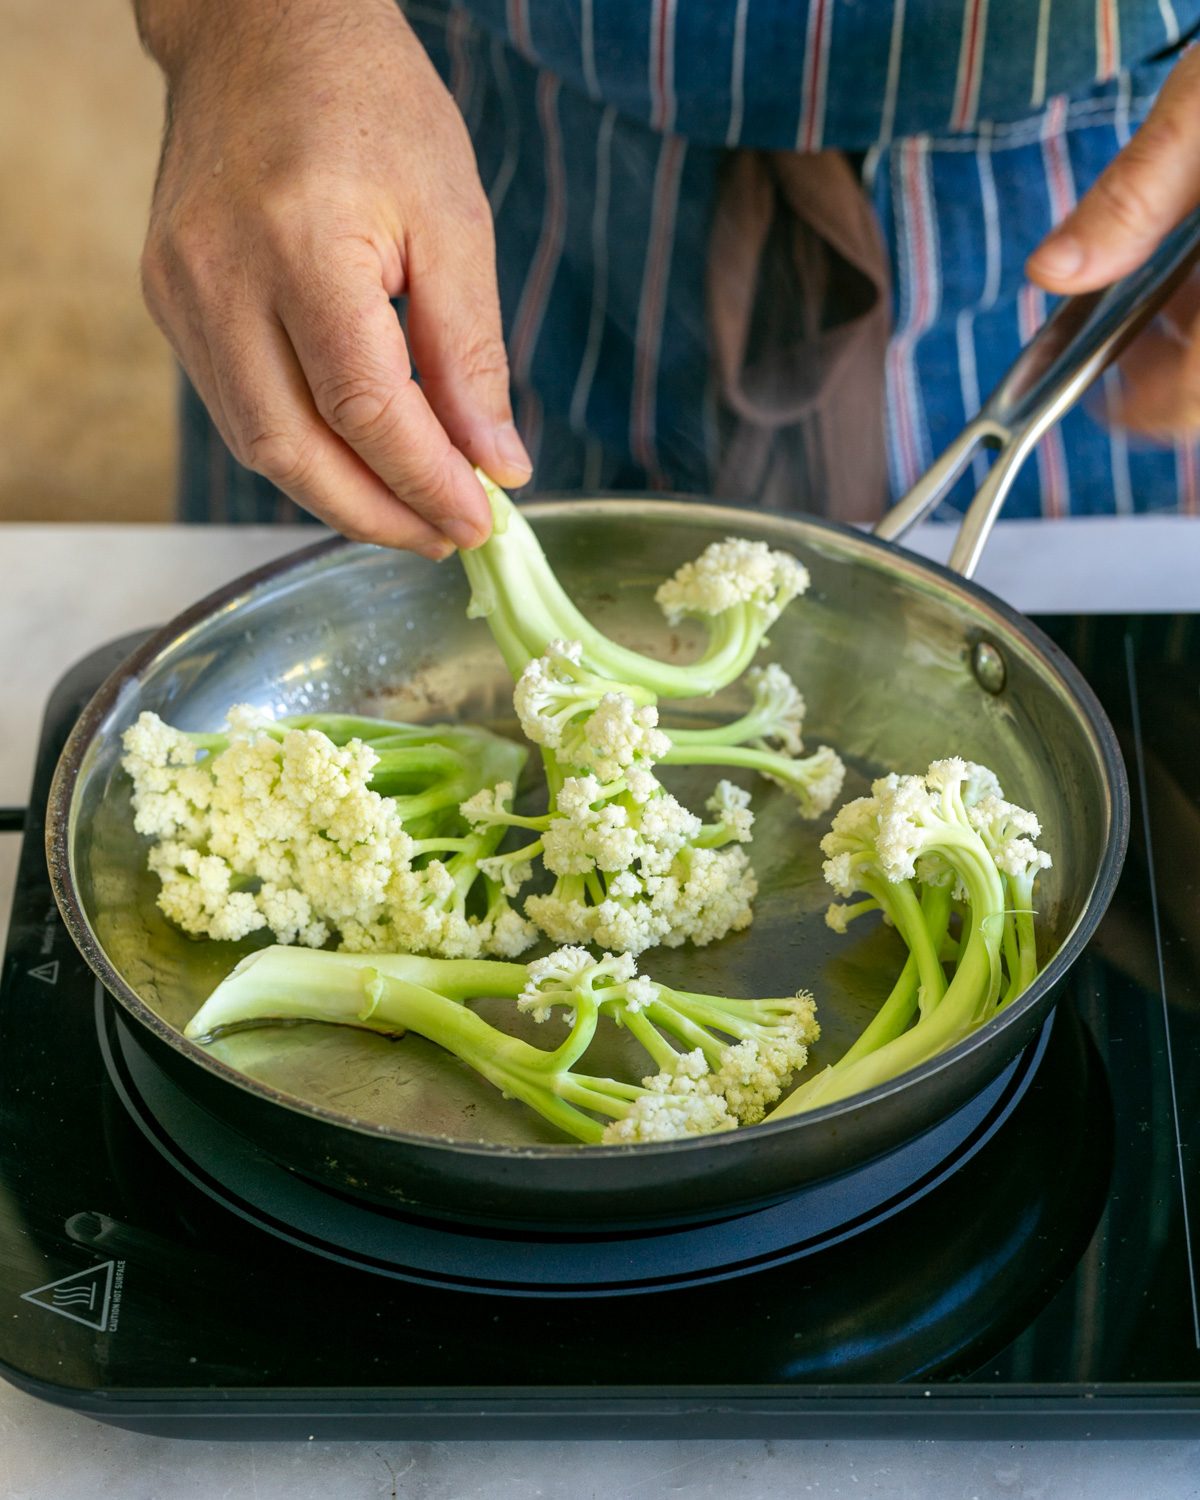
733	573
678	1103
615	736
780	706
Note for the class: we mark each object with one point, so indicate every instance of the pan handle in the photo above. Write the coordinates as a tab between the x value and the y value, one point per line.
1077	342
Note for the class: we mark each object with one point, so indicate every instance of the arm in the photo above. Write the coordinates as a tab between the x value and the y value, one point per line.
314	167
1146	191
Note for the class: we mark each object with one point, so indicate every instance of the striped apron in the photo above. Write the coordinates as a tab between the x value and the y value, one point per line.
600	127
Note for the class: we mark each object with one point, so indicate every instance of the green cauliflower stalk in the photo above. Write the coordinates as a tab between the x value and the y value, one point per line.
924	850
632	866
738	1055
737	588
592	724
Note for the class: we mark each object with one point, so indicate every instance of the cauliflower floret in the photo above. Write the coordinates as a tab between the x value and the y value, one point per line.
171	794
152	745
641	783
510	874
709	893
506	933
1009	831
282	829
562	976
289	916
854	828
713	896
547	693
665	827
730	805
640	991
754	1073
732	573
197	894
621	926
491	804
547	978
678	1103
778	701
662	887
576	796
590	833
591	721
632	927
814	781
962	778
615	737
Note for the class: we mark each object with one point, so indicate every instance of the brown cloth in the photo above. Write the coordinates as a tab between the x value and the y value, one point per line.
799	308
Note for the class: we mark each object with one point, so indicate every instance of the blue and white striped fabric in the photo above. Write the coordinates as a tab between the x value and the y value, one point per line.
600	126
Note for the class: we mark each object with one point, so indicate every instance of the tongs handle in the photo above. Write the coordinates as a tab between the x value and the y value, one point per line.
1076	343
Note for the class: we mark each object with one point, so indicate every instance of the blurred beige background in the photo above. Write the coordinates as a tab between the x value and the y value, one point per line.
86	381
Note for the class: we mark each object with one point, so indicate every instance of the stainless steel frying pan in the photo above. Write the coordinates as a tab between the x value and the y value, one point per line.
901	662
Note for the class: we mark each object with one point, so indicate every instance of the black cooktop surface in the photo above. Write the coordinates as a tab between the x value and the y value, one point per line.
1027	1266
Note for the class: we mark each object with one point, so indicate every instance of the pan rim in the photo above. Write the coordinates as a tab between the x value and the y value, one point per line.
1015	626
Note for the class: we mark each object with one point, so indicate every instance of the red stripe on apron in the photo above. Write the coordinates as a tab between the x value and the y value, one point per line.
815	64
970	66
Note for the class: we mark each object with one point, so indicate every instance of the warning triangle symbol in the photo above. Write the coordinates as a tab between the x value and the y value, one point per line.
83	1296
47	972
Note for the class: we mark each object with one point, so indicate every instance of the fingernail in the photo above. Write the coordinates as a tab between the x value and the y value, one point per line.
1060	255
511	449
437	551
464	534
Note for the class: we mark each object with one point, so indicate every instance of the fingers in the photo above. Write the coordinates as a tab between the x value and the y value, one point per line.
277	431
458	345
1154	399
1160	372
247	374
1137	200
188	344
352	354
319	396
291	201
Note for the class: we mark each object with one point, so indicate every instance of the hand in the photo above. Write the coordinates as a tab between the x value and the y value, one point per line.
314	167
1146	191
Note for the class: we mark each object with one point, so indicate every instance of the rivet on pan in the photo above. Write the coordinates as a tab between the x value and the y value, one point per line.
988	666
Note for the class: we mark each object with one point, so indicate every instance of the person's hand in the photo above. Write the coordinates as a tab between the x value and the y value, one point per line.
314	167
1145	192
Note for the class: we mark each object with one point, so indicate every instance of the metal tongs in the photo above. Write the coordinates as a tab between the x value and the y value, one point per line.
1077	343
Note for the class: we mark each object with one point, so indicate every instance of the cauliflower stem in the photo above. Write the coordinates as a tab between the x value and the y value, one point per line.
926	851
737	1057
632	866
738	590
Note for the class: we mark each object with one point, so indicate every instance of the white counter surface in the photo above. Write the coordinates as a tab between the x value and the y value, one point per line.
66	589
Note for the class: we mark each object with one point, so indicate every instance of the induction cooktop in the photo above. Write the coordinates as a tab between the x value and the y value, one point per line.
1024	1268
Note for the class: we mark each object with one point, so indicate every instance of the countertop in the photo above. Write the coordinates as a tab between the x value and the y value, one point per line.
68	588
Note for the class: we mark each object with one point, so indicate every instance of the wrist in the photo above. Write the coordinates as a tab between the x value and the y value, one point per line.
183	36
170	29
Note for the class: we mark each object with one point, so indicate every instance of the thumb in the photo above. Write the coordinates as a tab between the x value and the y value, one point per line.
1136	201
457	345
